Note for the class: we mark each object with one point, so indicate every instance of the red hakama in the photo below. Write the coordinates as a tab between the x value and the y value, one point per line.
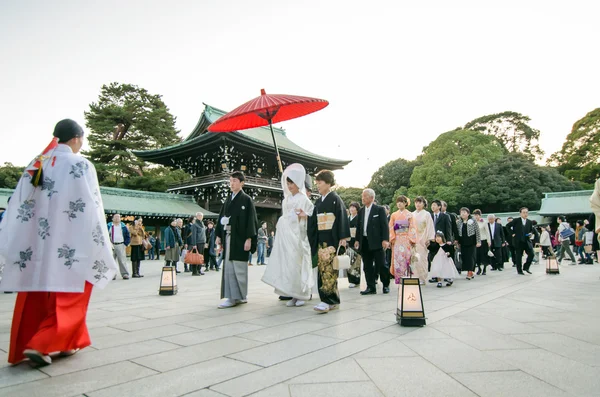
49	322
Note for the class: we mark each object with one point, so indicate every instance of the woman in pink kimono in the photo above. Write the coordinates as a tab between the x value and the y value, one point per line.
425	234
402	237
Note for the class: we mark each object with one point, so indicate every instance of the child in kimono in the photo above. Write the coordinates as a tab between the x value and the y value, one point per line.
442	265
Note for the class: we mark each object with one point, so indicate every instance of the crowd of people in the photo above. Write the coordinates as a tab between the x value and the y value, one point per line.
434	246
179	239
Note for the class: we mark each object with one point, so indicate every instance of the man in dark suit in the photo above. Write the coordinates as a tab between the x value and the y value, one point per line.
497	242
508	234
522	229
372	238
452	216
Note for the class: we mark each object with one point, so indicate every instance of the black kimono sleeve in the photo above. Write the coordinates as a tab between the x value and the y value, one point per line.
342	228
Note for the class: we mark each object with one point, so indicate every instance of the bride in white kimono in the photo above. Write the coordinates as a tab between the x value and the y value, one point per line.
290	265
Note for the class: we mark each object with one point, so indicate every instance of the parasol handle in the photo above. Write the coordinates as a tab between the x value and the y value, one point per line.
276	148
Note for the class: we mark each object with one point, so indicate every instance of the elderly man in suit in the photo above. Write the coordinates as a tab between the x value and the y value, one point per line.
498	241
372	238
522	229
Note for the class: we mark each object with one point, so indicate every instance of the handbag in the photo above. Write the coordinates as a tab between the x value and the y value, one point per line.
567	233
587	249
537	249
341	262
194	258
146	244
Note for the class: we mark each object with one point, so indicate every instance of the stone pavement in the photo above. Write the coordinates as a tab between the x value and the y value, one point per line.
498	335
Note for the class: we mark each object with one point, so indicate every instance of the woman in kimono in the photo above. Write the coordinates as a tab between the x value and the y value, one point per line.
290	265
328	230
57	248
425	234
355	258
469	240
403	236
442	265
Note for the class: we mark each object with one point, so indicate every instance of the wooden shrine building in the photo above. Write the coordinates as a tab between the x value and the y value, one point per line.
211	157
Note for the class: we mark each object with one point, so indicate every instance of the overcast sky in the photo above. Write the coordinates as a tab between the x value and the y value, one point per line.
396	75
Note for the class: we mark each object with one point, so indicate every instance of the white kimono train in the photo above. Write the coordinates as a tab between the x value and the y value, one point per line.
54	237
290	265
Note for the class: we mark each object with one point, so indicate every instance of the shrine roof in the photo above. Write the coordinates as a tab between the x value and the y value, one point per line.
136	202
200	140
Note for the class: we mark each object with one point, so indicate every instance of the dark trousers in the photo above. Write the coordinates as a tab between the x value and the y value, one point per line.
374	263
513	253
497	260
157	253
482	258
520	248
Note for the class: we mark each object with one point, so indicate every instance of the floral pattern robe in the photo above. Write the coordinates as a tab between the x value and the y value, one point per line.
403	235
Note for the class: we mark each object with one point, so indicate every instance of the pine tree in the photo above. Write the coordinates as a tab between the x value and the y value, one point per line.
125	118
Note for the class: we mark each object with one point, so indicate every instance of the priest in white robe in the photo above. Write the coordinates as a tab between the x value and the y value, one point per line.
56	245
290	264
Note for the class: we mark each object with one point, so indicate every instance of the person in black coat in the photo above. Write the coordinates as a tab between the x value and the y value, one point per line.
210	254
523	231
498	241
441	223
236	233
508	234
372	238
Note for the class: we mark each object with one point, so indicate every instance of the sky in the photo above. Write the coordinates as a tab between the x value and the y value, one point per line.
396	74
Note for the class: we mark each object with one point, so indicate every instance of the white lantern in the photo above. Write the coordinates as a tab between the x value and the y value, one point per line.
168	281
410	304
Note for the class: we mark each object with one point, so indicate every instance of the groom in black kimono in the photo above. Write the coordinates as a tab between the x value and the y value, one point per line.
236	229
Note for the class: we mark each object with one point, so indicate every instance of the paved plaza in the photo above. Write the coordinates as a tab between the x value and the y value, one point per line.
497	335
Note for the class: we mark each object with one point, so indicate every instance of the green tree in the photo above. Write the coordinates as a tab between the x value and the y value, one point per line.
579	157
449	160
349	194
390	177
511	182
125	118
513	130
10	175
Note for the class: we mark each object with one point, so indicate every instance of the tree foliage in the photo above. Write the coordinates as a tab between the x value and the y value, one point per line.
10	175
449	160
349	194
390	177
579	157
511	182
125	118
513	130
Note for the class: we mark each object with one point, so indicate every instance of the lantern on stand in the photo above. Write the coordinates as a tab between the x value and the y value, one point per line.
410	311
552	265
168	281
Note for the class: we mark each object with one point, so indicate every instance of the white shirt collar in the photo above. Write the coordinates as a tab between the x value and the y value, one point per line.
323	197
64	148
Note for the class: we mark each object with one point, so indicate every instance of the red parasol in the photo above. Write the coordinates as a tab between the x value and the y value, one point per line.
266	110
